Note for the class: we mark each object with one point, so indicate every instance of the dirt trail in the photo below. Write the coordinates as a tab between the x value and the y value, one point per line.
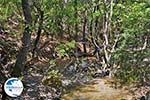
98	90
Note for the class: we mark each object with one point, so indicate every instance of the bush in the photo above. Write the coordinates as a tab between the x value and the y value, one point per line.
53	79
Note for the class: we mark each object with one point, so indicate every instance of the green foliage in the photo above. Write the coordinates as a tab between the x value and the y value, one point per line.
130	20
63	49
8	8
52	62
133	19
53	79
127	74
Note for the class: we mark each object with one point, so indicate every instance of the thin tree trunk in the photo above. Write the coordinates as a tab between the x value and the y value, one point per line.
38	34
22	55
76	17
107	28
84	34
2	79
41	18
96	31
76	26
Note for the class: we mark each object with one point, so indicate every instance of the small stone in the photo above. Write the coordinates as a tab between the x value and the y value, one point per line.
148	95
142	98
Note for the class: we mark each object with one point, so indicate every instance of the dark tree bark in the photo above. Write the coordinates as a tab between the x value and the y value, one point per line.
41	18
59	20
84	33
94	32
38	34
2	79
22	55
76	17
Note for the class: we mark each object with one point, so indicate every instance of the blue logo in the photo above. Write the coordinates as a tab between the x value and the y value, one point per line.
13	87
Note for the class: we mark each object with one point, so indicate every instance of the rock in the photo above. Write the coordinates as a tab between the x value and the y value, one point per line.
148	95
107	72
142	98
56	98
101	74
66	82
84	64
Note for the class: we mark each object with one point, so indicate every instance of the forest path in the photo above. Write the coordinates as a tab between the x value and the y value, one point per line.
98	89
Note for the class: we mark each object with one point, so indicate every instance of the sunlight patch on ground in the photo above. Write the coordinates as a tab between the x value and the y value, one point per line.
98	90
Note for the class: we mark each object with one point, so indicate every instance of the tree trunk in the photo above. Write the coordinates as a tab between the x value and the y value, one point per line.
108	5
40	27
22	55
84	33
76	17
